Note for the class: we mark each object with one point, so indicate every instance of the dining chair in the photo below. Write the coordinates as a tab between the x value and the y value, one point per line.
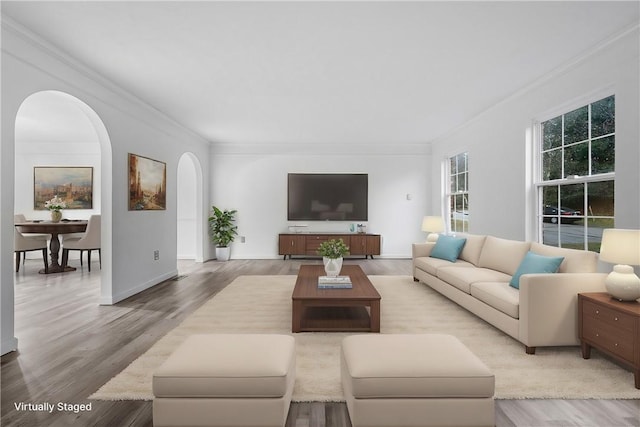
17	218
90	241
23	244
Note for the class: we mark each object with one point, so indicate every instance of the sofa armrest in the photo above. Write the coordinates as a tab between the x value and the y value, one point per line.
421	249
549	306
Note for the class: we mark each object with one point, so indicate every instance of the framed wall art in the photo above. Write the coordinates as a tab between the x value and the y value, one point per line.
147	184
73	184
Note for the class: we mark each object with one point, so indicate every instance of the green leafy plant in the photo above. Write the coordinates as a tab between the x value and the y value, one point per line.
333	249
222	228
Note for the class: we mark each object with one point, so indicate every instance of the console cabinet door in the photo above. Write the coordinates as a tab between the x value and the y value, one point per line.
291	244
373	245
365	244
358	245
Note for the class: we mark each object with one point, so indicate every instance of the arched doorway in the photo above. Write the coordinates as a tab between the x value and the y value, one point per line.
54	128
190	228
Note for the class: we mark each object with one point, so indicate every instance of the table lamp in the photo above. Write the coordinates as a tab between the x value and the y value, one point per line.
622	247
432	225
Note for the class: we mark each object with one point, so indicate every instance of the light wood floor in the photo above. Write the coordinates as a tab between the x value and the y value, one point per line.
70	346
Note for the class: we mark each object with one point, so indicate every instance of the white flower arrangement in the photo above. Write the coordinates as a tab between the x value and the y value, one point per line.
55	204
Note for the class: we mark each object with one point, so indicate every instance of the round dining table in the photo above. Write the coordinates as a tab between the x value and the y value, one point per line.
54	229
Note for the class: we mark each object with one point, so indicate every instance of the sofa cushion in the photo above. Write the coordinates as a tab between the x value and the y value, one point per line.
448	247
502	254
575	260
535	264
472	249
463	277
431	265
500	296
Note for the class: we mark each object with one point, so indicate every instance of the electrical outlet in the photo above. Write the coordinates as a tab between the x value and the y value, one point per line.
242	239
156	255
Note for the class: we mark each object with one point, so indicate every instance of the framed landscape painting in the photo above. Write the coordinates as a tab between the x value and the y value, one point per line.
147	184
72	184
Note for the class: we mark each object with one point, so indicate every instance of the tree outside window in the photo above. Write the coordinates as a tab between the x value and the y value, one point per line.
577	176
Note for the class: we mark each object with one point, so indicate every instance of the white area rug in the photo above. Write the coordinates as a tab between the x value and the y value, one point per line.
262	304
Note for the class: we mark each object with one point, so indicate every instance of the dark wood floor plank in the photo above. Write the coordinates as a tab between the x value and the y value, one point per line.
70	346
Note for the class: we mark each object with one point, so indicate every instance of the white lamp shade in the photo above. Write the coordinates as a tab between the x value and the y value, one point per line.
433	224
620	246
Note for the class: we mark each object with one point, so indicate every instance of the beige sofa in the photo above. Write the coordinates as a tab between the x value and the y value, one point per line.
542	312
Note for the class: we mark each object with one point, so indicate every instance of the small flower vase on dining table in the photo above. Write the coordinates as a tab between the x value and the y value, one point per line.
56	216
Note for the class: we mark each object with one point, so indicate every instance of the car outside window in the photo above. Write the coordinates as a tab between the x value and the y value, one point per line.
576	178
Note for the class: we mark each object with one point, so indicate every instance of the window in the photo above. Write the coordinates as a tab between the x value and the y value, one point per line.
458	193
577	176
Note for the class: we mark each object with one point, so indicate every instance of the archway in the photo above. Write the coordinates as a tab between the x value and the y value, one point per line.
190	221
50	117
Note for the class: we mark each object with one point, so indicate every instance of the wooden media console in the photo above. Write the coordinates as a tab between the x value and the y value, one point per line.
306	244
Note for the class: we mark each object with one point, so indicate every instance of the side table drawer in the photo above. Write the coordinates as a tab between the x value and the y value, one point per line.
618	320
608	337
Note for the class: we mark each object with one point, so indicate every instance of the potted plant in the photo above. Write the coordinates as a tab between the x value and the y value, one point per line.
223	231
332	252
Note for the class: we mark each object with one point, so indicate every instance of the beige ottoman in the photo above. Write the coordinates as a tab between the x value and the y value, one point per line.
226	380
415	380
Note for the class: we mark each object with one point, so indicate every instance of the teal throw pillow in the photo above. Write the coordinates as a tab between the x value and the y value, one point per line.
533	264
448	247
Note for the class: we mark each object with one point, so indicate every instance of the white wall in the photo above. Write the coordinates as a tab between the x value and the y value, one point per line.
186	200
129	238
54	155
499	157
256	185
52	131
30	154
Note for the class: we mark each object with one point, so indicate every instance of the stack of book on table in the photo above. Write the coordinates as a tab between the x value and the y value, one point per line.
337	282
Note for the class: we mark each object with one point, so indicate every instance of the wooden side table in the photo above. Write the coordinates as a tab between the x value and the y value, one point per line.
612	327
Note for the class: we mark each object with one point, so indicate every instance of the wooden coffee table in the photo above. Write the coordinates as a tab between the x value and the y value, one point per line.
334	310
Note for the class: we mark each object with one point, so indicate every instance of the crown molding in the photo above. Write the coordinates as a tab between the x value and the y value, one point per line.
558	71
57	54
325	149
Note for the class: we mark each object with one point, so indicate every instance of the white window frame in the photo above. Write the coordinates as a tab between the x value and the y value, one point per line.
449	194
539	184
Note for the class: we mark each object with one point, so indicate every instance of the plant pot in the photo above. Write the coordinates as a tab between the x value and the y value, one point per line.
223	253
332	266
56	216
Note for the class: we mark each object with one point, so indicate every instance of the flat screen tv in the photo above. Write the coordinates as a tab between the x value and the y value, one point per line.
327	197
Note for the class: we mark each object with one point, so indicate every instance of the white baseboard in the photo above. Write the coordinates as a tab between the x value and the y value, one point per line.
250	256
7	346
114	299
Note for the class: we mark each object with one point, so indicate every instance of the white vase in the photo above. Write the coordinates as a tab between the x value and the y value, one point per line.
332	266
223	253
